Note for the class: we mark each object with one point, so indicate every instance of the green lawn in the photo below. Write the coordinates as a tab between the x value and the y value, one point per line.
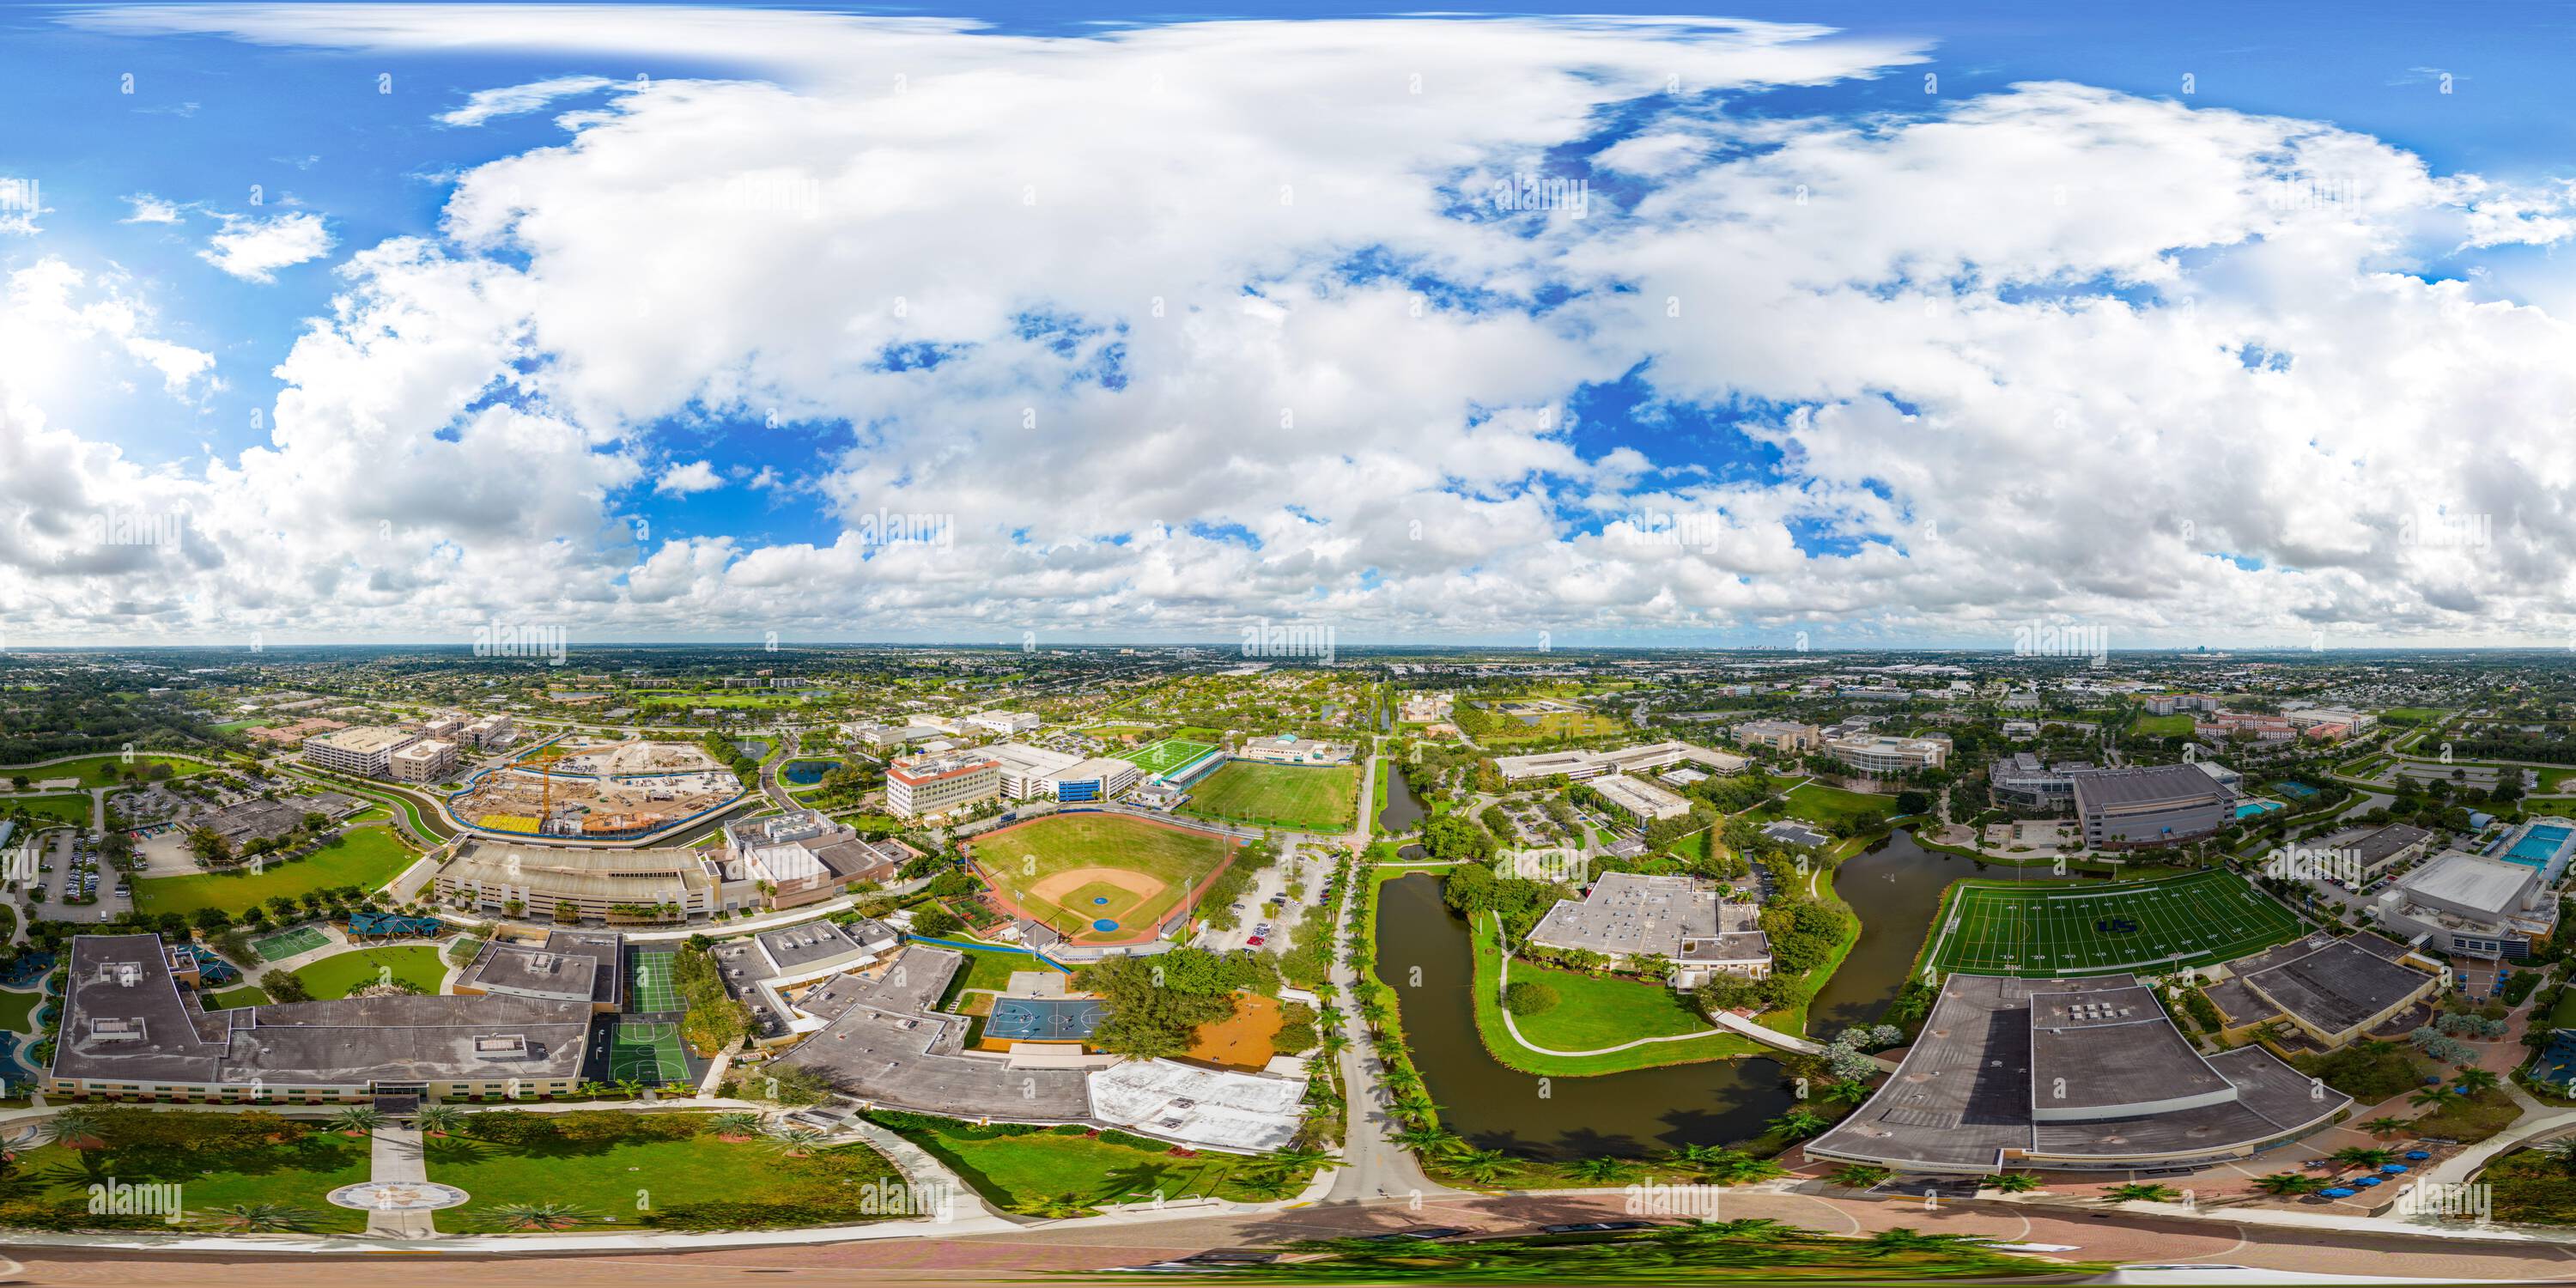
88	768
18	1011
343	973
246	995
990	968
1602	1011
299	1173
366	857
61	807
629	1182
1499	1044
1311	798
2172	726
1817	803
1014	1167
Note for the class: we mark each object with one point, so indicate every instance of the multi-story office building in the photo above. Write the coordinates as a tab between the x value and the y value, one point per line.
1779	735
936	784
1884	754
367	750
426	761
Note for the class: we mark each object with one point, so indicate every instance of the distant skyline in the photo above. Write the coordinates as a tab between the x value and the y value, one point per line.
2200	326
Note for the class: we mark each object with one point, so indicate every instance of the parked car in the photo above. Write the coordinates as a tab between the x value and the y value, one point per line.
1596	1227
1423	1233
1256	941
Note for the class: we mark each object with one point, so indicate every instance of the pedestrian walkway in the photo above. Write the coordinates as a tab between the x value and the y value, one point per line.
395	1158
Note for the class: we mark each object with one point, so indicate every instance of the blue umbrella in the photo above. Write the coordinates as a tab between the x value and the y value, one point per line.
2432	1082
2367	1180
2419	1155
2338	1192
2393	1167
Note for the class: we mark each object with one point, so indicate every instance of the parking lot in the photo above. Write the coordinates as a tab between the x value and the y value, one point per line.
72	866
1301	863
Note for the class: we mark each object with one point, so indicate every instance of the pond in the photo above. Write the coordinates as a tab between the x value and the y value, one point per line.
805	773
1404	811
1894	888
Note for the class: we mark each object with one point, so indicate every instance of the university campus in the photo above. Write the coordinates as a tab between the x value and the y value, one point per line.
1290	644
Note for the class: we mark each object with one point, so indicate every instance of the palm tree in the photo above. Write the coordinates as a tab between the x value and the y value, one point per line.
2476	1080
1800	1123
536	1216
1846	1091
1332	1042
357	1120
2429	1098
2364	1156
1481	1166
1372	1012
2140	1192
1603	1170
2016	1182
1742	1169
1056	1208
796	1142
1698	1158
1888	1243
2285	1184
738	1125
630	1087
1858	1176
2383	1128
1297	1158
439	1120
1414	1106
257	1218
76	1128
1263	1182
1423	1138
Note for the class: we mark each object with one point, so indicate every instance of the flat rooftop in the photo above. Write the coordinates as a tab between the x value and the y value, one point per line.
2334	984
2458	879
2145	785
365	739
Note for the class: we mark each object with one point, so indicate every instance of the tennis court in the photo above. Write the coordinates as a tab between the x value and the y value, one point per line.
647	1053
650	989
285	944
2197	919
1043	1019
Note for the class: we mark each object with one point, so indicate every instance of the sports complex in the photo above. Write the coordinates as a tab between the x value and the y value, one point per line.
1098	878
2055	930
1176	761
1309	798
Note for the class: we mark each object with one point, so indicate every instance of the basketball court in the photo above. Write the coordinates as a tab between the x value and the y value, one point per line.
279	947
648	1052
1043	1019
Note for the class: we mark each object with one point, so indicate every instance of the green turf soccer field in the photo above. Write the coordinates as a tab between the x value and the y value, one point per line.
1167	756
2200	918
653	990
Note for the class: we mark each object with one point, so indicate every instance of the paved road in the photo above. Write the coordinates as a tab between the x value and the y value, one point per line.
1048	1250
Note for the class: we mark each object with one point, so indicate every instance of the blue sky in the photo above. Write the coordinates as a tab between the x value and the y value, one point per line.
1517	448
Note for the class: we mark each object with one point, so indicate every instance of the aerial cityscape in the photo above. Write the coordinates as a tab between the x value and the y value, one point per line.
1011	644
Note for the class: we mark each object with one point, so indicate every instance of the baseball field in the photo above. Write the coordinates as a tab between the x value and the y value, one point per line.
1098	878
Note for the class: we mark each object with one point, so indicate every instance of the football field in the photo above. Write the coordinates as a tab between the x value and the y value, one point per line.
2018	928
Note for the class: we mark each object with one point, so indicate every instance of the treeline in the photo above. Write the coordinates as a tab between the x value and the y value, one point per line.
1155	1005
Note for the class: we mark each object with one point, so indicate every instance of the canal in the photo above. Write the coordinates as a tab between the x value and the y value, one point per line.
1894	888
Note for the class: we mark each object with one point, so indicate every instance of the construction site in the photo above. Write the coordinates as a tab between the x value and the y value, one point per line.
596	789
